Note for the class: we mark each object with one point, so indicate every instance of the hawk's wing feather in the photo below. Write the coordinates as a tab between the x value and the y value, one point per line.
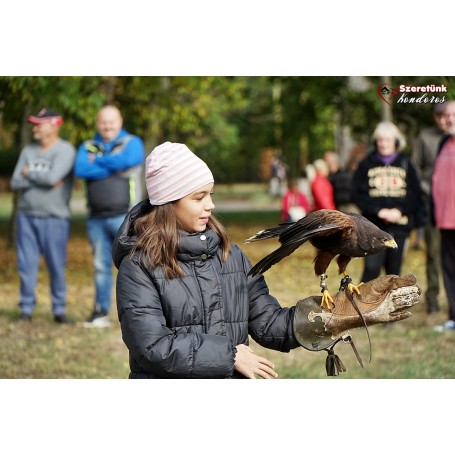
314	221
302	235
289	247
275	256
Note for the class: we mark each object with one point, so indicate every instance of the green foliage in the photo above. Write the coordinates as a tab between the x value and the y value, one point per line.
228	121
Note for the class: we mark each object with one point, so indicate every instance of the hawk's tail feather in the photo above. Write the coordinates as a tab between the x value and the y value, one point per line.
269	233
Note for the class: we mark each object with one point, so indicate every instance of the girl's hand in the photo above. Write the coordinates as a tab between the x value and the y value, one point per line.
249	364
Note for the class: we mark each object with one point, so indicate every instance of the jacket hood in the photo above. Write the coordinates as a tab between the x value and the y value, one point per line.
193	247
125	238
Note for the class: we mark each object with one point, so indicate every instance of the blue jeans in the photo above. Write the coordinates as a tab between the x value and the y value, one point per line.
101	233
47	236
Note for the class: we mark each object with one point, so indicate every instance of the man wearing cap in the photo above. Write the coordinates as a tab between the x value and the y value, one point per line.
423	157
112	166
43	179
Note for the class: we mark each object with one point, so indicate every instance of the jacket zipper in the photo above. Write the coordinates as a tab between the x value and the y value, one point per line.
204	319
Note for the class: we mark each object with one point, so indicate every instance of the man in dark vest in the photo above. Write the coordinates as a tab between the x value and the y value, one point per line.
111	165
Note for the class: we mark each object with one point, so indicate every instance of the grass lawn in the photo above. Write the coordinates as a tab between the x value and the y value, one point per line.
42	349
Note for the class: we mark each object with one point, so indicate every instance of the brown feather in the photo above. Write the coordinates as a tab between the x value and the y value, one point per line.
322	261
343	262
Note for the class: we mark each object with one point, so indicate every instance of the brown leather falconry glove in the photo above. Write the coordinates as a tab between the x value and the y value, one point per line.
384	299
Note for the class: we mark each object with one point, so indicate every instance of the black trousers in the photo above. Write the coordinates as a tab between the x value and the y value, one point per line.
433	258
389	259
448	267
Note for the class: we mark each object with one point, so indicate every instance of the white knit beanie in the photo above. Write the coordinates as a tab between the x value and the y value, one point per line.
173	171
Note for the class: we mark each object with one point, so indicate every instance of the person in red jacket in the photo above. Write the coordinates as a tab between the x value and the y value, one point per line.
294	204
321	187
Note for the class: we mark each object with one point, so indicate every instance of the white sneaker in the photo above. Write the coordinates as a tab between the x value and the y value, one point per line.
98	320
448	325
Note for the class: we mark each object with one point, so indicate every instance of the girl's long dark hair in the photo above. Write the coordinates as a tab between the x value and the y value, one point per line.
158	239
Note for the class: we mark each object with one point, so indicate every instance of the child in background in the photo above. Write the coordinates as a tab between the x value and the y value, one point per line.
294	204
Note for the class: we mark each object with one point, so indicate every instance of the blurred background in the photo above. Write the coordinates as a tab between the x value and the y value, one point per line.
233	123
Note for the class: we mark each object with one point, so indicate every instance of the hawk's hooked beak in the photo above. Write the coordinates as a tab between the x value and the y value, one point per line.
390	243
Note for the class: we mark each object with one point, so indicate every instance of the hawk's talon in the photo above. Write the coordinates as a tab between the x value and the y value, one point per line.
327	301
346	283
355	289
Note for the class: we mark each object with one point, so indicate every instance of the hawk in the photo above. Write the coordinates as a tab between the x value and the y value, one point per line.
333	233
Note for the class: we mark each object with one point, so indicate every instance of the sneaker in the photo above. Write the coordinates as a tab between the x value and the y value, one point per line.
25	317
448	325
61	319
99	319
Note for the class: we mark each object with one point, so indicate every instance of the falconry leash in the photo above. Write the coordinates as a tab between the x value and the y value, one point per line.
310	332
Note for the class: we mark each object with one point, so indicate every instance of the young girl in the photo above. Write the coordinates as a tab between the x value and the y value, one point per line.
185	302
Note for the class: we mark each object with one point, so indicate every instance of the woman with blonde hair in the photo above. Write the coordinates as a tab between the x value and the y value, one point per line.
386	189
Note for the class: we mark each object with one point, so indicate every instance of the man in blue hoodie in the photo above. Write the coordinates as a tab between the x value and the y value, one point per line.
112	166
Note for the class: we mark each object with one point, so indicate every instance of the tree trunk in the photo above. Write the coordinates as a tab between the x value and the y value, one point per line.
386	108
109	89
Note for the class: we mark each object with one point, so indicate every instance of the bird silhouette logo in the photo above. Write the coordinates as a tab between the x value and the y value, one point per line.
386	92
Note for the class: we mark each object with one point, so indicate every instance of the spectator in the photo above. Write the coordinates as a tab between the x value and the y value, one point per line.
278	177
341	180
386	189
443	191
44	179
110	164
423	156
294	204
333	161
321	188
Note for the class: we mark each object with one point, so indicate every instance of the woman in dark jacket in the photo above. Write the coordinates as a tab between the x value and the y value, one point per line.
386	189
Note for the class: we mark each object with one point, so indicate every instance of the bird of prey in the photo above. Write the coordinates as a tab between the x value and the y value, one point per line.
333	233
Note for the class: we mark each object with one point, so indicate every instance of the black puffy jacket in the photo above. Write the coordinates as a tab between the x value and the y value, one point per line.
188	327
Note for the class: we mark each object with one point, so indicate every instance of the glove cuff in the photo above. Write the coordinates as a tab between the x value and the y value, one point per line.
310	332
